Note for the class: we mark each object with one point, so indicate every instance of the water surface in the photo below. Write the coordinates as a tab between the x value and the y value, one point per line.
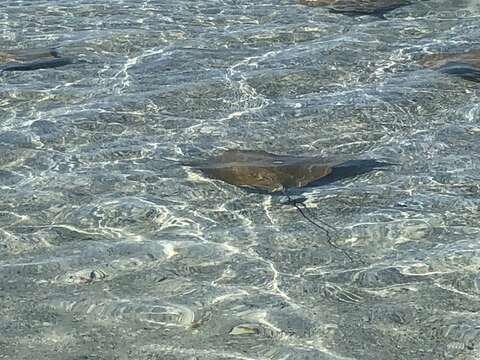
111	251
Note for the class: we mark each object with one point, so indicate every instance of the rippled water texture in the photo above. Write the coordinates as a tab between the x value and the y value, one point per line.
111	250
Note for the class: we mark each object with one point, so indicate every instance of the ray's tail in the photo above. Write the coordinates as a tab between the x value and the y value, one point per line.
326	228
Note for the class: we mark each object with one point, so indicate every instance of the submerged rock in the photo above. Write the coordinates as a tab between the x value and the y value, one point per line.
358	7
464	65
32	59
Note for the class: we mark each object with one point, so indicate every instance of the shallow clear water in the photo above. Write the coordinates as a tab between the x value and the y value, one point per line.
189	268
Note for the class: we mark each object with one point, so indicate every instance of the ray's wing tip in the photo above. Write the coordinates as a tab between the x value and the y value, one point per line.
367	163
383	164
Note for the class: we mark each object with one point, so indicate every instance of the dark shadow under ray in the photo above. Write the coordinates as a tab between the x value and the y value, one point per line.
351	169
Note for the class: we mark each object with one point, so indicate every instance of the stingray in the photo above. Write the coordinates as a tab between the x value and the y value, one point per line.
464	65
353	8
32	59
263	172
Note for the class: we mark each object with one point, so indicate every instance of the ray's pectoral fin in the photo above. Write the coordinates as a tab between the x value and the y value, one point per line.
352	13
350	169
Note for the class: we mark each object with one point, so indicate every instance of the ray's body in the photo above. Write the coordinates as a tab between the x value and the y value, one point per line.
264	171
465	65
32	59
271	173
358	7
